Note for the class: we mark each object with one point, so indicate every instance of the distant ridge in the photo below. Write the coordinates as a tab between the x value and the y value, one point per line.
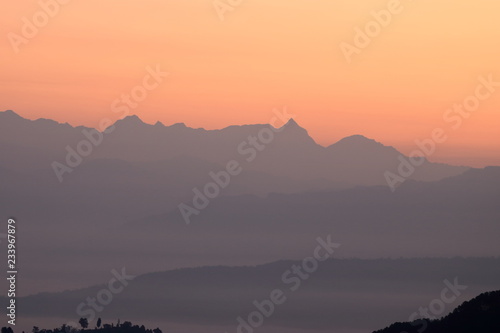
288	153
330	298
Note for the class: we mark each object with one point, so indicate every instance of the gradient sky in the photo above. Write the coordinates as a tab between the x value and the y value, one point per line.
265	54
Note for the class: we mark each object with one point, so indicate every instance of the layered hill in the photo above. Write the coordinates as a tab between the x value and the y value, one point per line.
282	160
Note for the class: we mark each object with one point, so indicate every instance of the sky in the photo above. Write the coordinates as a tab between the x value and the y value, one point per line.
233	62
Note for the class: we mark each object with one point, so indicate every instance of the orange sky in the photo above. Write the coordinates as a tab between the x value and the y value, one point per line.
265	54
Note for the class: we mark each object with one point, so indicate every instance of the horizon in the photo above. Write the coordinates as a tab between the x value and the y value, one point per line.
396	88
431	158
195	165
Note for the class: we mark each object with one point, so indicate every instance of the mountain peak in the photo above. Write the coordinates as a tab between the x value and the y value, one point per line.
296	135
356	139
291	123
11	114
360	143
178	125
132	120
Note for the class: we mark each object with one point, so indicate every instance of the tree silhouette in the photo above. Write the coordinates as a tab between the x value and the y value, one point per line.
481	314
84	323
126	324
125	327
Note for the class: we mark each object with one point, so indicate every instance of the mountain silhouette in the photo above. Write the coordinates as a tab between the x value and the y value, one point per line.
337	295
481	314
288	153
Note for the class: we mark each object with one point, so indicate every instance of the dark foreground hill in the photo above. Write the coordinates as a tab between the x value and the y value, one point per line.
479	315
332	297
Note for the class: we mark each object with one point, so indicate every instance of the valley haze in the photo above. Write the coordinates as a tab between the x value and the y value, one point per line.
260	166
118	209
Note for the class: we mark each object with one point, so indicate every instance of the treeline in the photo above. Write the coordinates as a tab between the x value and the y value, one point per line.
479	315
125	327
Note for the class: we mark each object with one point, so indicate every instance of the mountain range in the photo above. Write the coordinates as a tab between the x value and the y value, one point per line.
347	293
290	160
85	198
129	188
